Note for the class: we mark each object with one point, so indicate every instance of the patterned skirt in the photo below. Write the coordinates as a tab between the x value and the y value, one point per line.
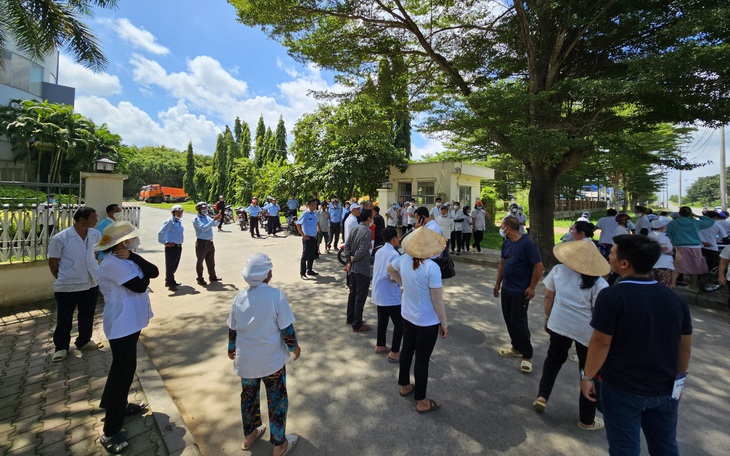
690	261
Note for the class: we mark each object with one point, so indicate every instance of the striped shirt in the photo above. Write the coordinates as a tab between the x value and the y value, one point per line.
357	245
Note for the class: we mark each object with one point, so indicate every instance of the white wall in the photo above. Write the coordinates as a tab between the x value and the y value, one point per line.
25	282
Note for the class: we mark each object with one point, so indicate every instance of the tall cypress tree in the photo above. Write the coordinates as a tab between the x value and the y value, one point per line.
245	144
260	151
189	178
237	129
280	148
269	145
219	178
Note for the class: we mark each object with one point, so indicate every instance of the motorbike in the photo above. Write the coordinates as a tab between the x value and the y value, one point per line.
227	215
242	217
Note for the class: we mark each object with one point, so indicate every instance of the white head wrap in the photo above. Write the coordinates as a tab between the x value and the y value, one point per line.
257	269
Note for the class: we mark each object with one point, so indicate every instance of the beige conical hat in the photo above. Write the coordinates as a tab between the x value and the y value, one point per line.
117	232
423	243
583	257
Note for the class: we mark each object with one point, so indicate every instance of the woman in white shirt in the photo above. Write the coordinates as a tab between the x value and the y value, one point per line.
467	225
458	217
386	295
623	219
663	268
422	309
571	289
123	279
260	337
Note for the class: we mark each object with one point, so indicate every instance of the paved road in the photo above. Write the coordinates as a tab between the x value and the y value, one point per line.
343	397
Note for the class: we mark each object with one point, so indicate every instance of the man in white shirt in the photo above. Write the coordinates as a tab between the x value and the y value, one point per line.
607	225
435	211
391	215
643	224
446	223
709	237
72	262
411	212
351	220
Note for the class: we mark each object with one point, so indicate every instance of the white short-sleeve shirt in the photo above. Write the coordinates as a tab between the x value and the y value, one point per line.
78	269
665	261
573	307
125	312
608	226
386	292
416	305
725	255
258	315
710	236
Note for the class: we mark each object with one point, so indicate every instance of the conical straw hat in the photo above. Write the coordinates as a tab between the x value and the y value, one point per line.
583	257
423	243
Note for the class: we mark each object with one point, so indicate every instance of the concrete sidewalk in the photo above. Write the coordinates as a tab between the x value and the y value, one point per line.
51	408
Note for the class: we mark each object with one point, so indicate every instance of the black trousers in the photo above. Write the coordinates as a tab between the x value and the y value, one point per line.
465	239
205	251
359	287
514	311
478	236
556	357
384	314
220	224
121	374
172	261
455	240
418	340
253	224
273	226
335	229
67	303
309	254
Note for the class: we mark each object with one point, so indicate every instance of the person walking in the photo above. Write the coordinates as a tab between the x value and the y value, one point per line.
254	211
73	264
261	337
308	229
357	253
479	216
220	208
571	289
272	211
640	388
124	278
520	270
684	231
323	227
387	295
458	217
608	226
422	310
335	214
171	236
467	226
662	269
204	248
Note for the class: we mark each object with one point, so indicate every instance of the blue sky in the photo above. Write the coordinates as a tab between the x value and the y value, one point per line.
180	70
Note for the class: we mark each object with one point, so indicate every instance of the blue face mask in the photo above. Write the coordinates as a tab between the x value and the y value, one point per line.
52	200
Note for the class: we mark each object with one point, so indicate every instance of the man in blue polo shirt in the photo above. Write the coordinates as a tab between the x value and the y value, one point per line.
204	248
307	226
171	235
293	205
253	214
641	343
336	213
272	209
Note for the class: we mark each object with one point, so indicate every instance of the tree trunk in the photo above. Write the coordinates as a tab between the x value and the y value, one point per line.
542	211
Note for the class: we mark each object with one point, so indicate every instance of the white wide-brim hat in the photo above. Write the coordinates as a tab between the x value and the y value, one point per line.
117	232
583	257
423	243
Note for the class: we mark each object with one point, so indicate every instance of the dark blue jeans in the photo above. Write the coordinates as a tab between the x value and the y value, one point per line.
514	311
67	303
626	415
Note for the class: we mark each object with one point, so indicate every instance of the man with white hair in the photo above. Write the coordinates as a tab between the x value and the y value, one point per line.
171	236
351	220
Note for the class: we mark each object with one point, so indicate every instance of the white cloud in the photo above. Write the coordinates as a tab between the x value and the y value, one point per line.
138	37
86	81
431	147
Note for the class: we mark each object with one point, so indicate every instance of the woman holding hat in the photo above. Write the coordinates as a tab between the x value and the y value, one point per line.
123	279
260	337
571	289
422	310
663	268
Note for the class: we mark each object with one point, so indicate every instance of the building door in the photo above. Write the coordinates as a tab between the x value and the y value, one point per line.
465	196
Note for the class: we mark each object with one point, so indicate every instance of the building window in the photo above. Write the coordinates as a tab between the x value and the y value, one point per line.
405	190
426	192
465	195
22	74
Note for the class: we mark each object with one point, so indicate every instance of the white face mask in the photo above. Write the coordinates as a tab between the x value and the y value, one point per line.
456	207
438	204
444	215
132	244
502	233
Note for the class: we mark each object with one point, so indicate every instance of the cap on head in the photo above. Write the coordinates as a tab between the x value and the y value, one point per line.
200	205
177	208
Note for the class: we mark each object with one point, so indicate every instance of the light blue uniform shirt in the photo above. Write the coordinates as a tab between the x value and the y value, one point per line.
171	231
336	214
272	209
100	228
204	227
308	220
253	211
293	204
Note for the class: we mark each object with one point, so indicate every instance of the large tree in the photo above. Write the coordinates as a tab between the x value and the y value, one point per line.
189	178
540	80
41	26
259	143
280	149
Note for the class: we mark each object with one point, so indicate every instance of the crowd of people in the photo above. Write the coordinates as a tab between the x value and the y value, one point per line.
406	274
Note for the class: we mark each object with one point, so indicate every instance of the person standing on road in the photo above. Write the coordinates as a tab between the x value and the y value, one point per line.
351	220
479	216
446	223
662	269
254	210
124	278
709	237
520	270
422	309
204	248
323	227
436	210
72	262
467	226
684	231
571	289
378	227
293	204
357	253
335	214
391	215
641	343
272	210
112	212
171	236
308	229
458	217
220	208
386	295
261	337
607	225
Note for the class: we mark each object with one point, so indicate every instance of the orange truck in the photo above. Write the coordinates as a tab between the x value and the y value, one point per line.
156	193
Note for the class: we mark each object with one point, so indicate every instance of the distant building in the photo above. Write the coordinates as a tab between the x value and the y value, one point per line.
24	79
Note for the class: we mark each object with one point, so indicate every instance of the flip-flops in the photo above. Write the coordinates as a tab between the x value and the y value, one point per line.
393	360
259	433
539	405
409	392
135	409
59	356
114	444
291	440
525	366
509	353
433	406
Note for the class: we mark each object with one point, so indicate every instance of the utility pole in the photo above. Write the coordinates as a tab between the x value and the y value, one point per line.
723	170
679	197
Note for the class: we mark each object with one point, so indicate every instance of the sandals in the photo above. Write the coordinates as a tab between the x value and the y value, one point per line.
381	350
59	356
259	433
433	406
135	409
408	393
539	405
393	360
509	353
525	366
114	444
597	425
291	440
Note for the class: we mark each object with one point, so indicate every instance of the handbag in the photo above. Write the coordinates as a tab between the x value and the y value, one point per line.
447	267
